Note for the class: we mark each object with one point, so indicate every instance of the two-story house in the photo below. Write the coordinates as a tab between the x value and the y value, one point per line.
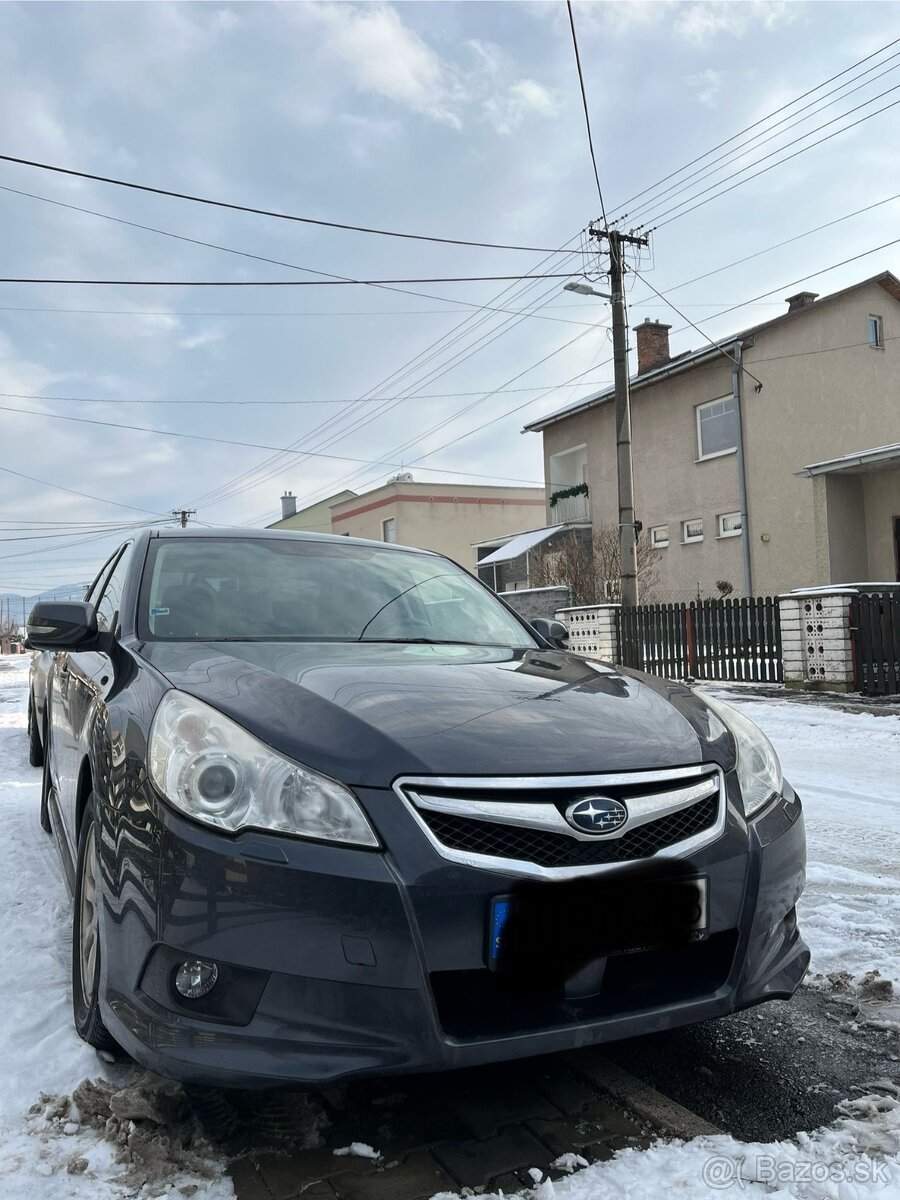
814	406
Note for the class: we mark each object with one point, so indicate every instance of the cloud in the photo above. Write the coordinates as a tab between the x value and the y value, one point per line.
524	98
383	57
706	86
701	22
203	337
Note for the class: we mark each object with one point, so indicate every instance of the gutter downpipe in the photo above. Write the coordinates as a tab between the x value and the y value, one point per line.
736	374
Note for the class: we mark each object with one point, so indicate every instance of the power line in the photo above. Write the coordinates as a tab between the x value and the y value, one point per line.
789	123
202	437
711	341
844	129
264	212
762	120
448	340
180	237
584	104
244	283
72	492
254	403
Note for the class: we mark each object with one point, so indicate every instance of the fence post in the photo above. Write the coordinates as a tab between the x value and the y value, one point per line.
816	644
690	638
593	630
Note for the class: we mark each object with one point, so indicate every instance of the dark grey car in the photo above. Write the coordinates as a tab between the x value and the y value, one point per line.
329	808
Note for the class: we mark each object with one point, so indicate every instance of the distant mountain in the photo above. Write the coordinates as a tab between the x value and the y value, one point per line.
19	606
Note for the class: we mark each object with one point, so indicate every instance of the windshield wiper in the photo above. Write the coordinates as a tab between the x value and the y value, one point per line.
420	641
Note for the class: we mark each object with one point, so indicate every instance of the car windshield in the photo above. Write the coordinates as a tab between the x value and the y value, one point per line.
265	589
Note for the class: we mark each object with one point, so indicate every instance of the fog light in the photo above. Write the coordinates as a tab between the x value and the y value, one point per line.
195	978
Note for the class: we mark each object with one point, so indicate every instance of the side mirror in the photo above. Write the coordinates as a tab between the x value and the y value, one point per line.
61	625
553	632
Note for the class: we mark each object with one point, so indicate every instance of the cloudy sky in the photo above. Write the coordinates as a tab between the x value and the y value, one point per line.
458	120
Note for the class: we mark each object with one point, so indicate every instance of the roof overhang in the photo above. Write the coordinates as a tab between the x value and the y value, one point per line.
863	460
521	544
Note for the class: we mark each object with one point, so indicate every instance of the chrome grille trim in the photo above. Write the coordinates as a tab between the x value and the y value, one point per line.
699	782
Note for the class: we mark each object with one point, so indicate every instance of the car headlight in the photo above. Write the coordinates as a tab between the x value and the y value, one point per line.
758	768
218	773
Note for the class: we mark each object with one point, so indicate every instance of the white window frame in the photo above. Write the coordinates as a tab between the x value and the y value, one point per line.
701	457
392	521
659	543
686	538
728	533
878	344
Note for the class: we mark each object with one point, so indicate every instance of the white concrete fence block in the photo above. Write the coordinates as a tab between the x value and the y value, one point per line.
815	636
593	630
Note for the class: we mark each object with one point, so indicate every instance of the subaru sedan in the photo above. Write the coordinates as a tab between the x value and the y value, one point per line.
330	808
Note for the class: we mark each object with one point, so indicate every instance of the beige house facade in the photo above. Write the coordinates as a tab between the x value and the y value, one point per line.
315	518
810	419
447	518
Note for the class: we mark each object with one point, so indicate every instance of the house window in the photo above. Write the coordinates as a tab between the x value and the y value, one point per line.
692	531
716	428
730	524
389	530
659	536
876	333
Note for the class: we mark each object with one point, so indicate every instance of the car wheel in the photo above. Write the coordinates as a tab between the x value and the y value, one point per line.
86	939
35	749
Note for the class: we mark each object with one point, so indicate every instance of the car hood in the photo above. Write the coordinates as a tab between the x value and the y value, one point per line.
368	713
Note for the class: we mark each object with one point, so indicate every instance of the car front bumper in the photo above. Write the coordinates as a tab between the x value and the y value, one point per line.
337	963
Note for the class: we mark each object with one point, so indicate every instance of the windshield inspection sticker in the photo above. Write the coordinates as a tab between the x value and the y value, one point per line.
159	612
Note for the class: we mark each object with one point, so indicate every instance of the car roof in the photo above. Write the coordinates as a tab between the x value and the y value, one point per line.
295	535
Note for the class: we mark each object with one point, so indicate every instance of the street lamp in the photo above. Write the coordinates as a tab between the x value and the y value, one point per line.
584	289
628	591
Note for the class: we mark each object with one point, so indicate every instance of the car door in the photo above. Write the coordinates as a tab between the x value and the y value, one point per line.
81	679
56	696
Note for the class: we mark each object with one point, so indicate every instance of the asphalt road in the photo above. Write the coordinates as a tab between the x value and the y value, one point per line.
768	1072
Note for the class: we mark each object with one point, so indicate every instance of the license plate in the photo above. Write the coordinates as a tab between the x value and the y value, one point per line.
613	920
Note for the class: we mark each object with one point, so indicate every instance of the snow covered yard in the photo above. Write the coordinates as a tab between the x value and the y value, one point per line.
846	767
49	1150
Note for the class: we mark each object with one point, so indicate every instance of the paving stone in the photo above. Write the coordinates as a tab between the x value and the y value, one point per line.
418	1127
286	1176
418	1178
611	1120
248	1184
473	1163
564	1090
563	1136
487	1110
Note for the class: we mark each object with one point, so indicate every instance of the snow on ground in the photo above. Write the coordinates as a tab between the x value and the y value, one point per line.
846	768
52	1147
858	1158
55	1152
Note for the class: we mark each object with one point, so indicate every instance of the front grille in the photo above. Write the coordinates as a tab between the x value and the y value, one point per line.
546	849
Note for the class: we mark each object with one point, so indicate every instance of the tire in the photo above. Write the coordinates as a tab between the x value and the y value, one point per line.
86	939
35	747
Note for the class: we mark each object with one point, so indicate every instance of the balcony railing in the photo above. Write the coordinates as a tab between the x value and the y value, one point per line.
570	508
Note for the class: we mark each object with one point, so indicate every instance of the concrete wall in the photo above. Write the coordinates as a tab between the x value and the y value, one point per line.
538	602
813	406
881	490
446	518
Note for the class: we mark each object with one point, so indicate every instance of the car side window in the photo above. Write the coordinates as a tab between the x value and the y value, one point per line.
94	589
108	606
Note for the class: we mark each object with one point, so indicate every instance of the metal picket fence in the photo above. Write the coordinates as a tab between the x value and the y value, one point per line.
875	634
730	639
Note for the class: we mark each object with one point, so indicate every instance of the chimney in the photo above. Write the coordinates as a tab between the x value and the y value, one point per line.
288	505
652	345
801	300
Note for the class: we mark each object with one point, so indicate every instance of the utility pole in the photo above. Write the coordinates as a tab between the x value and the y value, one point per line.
617	241
182	515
